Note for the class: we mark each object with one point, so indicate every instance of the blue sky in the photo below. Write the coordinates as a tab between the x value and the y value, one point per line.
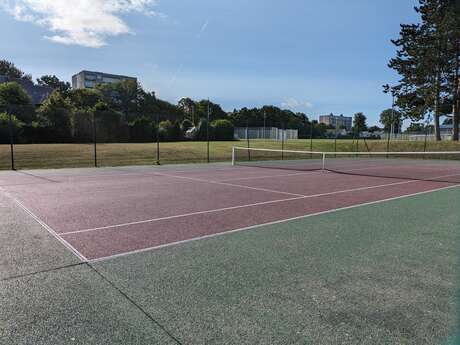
306	55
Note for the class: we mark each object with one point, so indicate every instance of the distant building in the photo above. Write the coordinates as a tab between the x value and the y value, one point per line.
37	93
89	80
336	121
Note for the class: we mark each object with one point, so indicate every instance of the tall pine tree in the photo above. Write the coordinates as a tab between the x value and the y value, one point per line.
426	62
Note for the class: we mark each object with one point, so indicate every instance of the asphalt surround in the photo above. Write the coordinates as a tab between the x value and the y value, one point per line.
326	279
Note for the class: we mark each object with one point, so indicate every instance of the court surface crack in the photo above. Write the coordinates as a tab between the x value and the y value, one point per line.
130	300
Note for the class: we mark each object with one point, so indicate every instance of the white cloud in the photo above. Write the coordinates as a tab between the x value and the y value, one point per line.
81	22
292	103
203	28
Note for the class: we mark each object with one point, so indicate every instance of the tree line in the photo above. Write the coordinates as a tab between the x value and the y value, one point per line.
125	112
428	61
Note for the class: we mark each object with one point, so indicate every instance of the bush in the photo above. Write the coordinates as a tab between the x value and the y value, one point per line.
141	130
5	131
222	130
202	130
169	131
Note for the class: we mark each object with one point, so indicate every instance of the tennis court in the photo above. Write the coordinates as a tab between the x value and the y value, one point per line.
117	211
133	213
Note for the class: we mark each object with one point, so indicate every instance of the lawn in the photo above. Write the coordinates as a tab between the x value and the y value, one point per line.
36	156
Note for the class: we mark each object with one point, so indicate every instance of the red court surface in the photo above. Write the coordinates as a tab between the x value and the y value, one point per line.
104	213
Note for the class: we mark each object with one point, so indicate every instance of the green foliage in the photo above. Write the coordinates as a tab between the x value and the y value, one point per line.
10	70
359	122
416	128
16	125
111	126
203	131
55	114
170	131
124	97
373	129
270	116
428	60
141	129
15	100
13	94
390	118
222	130
54	82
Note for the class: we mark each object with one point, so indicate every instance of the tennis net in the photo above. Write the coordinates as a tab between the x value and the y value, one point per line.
426	166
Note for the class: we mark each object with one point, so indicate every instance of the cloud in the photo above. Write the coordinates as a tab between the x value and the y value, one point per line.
203	28
292	103
86	23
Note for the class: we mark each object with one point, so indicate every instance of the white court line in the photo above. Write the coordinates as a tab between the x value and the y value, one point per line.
46	226
235	208
110	257
313	172
269	176
231	185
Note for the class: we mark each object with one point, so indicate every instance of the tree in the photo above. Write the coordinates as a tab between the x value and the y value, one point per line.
428	61
84	102
359	122
415	127
9	70
55	114
5	128
222	129
54	82
170	131
452	27
110	124
124	96
391	119
373	129
141	129
187	105
15	100
215	111
12	93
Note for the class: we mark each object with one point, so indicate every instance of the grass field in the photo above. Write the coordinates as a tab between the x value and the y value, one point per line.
36	156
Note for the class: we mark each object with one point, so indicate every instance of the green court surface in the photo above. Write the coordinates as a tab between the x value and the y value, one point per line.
379	274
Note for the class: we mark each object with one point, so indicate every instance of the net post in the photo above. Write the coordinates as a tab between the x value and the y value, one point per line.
324	162
233	155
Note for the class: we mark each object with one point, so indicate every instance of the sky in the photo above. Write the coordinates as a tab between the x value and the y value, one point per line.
311	56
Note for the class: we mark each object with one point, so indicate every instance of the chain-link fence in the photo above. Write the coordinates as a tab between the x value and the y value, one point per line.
30	140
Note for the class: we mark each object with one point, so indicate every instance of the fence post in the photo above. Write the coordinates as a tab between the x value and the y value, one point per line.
283	133
335	141
10	129
388	144
158	138
207	134
426	139
94	139
247	139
